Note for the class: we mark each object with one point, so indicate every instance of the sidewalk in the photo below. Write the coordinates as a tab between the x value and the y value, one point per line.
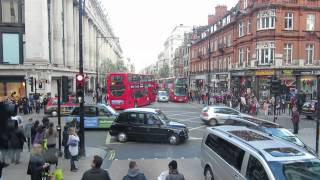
19	172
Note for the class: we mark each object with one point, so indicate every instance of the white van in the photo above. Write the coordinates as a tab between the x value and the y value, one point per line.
238	153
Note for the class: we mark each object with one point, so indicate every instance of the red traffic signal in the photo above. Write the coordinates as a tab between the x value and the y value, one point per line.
79	80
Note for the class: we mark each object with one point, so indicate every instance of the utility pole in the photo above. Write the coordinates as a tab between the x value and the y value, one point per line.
82	140
318	114
59	115
209	72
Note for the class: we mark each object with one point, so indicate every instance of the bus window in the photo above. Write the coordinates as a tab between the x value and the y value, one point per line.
117	78
117	90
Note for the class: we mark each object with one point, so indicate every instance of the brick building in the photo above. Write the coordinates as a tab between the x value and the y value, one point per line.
259	39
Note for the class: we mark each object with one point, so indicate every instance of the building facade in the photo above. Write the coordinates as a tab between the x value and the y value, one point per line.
40	39
258	40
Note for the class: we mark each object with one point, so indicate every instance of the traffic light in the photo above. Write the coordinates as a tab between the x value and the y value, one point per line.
80	85
275	86
30	82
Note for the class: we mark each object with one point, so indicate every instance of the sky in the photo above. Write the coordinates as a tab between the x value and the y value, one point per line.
144	25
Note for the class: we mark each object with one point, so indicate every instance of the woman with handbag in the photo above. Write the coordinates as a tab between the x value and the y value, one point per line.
73	143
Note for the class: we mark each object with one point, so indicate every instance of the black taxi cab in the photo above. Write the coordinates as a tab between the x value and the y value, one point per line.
147	124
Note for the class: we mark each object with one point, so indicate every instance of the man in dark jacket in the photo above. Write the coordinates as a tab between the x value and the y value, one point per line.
173	172
16	142
134	172
96	173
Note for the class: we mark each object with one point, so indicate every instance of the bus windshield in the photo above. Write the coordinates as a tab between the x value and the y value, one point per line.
180	91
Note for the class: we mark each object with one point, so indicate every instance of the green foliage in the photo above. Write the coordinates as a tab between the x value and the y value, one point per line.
164	71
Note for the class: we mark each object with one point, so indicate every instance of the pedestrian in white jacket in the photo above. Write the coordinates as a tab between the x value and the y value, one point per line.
73	143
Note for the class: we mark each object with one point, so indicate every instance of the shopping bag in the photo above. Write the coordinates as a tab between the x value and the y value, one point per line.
58	174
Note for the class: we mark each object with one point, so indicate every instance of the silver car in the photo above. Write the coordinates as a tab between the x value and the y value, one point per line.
163	96
214	115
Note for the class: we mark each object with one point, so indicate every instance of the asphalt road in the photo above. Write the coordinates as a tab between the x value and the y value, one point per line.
153	157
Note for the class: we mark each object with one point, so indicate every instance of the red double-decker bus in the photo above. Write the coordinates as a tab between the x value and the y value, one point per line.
127	90
176	87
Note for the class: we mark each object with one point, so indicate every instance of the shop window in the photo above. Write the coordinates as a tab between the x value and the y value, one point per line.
10	11
11	48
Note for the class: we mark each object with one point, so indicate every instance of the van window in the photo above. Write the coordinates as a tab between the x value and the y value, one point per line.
255	170
231	153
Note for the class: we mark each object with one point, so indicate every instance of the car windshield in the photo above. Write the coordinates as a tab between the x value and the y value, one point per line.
162	117
162	93
285	134
296	170
110	109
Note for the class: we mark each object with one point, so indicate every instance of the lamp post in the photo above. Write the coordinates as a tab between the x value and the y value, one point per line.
209	72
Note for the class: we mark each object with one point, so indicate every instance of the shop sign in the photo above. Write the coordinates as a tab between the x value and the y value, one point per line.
264	72
317	72
222	76
239	73
249	73
287	72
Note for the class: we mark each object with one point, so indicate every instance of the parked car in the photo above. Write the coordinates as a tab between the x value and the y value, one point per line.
147	124
309	109
51	108
241	153
98	116
163	96
214	115
268	127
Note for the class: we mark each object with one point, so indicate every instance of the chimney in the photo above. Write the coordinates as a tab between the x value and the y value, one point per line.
211	19
220	10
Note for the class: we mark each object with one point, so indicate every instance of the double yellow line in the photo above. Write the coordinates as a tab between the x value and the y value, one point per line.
111	155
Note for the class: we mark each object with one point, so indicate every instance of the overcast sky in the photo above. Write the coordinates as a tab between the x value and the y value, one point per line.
144	25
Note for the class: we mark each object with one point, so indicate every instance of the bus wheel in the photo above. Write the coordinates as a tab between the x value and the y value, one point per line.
135	105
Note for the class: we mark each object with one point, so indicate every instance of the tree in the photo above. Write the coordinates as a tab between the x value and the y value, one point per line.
164	71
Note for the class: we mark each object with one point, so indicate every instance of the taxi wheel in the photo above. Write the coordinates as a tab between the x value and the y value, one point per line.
174	139
54	113
122	137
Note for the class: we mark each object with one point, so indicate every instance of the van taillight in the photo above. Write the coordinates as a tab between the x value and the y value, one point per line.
205	114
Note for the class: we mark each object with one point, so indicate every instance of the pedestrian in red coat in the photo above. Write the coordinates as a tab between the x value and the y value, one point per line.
295	120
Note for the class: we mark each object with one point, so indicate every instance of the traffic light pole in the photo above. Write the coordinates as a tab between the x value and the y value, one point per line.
59	115
318	115
81	131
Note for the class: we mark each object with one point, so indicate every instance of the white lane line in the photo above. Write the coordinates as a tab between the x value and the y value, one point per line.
179	114
195	138
191	129
108	139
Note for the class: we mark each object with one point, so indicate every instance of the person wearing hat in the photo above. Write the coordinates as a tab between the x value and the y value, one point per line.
27	132
173	172
295	118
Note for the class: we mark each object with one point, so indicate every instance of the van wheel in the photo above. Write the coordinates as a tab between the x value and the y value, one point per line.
208	175
122	137
174	139
135	105
54	113
213	122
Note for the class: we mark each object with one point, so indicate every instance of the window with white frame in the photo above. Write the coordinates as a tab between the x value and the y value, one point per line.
248	56
265	52
249	26
245	4
266	19
287	54
241	29
241	56
288	21
310	53
310	22
229	40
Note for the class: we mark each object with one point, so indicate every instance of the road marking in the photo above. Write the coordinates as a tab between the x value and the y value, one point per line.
195	138
191	129
179	114
108	139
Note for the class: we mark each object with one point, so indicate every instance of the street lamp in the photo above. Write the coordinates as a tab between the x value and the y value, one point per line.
209	71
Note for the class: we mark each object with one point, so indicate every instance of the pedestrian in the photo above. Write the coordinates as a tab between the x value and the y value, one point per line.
134	172
16	141
73	143
34	130
45	122
65	137
27	132
37	166
51	135
278	108
295	120
283	106
39	138
96	173
173	172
